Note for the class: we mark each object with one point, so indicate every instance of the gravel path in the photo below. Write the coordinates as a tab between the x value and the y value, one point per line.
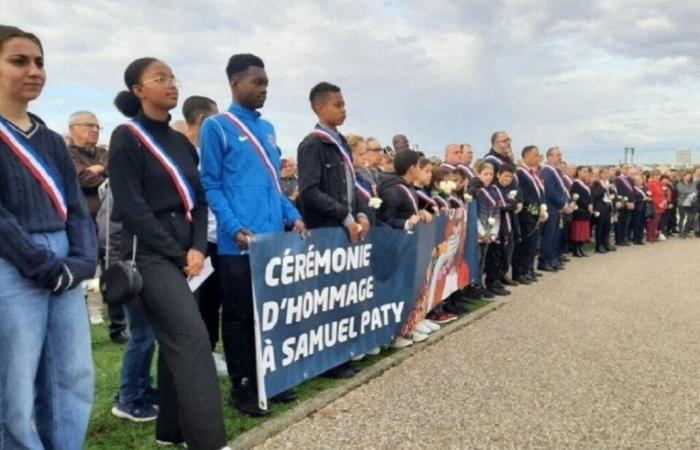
605	355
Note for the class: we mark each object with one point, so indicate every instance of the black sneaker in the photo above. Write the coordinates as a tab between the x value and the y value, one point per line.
523	280
485	293
121	337
472	293
497	289
451	308
244	397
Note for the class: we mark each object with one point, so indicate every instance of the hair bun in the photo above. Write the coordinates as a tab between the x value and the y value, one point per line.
127	103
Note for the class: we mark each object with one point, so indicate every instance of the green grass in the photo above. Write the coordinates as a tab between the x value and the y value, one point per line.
110	433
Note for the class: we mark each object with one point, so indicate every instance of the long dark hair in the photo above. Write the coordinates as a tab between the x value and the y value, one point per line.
126	101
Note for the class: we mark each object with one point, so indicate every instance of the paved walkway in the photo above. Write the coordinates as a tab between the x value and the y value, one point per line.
605	355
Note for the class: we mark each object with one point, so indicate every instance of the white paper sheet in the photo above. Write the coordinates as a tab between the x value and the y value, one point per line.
197	281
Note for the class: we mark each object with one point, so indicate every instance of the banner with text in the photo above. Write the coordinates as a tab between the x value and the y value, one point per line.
320	301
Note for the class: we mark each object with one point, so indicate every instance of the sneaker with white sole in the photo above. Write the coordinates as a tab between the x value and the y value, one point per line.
96	320
135	411
431	325
171	444
220	363
662	237
358	357
402	342
422	328
416	336
374	351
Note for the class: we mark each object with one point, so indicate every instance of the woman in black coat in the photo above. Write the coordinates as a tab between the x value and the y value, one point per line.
602	210
581	220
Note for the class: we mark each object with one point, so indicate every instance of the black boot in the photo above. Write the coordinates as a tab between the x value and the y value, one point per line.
244	397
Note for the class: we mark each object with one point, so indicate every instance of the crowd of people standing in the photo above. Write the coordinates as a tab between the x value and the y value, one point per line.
172	199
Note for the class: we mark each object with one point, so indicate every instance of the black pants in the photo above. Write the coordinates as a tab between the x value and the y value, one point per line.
188	387
507	250
637	224
602	231
526	249
566	232
672	225
237	317
622	226
491	256
210	298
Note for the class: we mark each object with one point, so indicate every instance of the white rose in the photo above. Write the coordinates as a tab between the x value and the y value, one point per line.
491	221
512	194
375	202
452	185
596	214
575	196
618	205
446	187
468	198
543	208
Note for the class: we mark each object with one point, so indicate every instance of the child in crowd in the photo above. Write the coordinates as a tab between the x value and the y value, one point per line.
488	227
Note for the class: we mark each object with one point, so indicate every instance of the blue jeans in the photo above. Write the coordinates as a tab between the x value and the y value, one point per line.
136	364
46	370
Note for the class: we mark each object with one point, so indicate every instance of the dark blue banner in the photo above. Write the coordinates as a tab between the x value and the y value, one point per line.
320	301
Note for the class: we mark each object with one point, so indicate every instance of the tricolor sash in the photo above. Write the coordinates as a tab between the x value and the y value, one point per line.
559	179
442	201
457	200
493	160
182	186
583	185
449	166
364	193
488	196
325	136
410	196
259	149
44	174
467	170
507	214
425	197
539	188
627	184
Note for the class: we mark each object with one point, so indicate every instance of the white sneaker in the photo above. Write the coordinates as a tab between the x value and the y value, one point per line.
662	237
417	337
220	363
358	358
92	285
402	342
422	328
374	351
96	320
171	444
430	324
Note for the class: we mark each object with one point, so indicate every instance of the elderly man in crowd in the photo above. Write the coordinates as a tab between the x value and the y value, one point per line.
289	179
453	156
90	162
400	143
501	152
465	164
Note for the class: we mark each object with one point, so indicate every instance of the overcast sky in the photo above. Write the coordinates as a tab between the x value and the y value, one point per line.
591	77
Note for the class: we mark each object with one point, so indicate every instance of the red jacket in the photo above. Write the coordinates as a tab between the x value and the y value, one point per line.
658	197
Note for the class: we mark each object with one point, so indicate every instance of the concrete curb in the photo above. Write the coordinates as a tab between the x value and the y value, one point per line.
266	430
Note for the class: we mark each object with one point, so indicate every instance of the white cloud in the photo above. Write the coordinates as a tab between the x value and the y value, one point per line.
600	75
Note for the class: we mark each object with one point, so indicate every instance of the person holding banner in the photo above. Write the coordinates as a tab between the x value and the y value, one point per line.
159	199
329	192
240	173
47	248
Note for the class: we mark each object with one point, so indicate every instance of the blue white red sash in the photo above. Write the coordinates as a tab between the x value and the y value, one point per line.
467	170
488	196
259	149
457	200
583	185
627	184
425	197
184	190
449	166
325	136
559	179
494	160
362	191
507	214
539	188
35	164
410	196
442	201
